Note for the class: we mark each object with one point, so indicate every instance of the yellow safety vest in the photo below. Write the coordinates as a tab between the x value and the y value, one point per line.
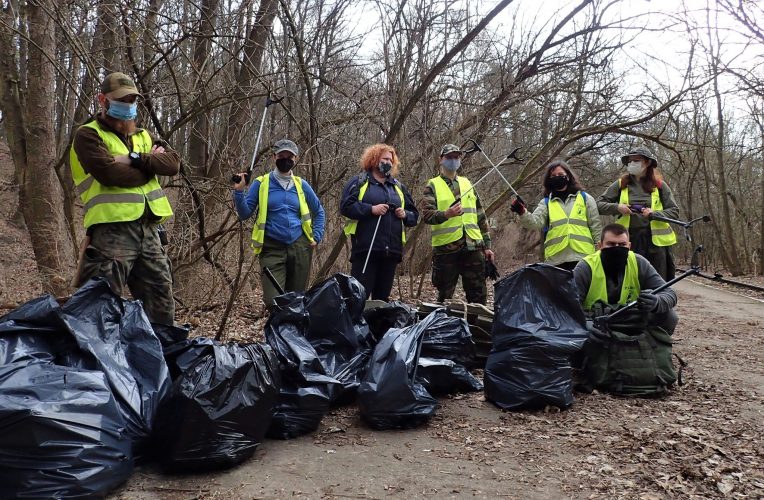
112	203
258	231
662	234
598	286
351	225
568	231
453	229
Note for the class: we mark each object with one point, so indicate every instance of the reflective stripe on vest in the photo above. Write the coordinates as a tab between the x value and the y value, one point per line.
352	224
258	231
662	234
598	286
117	204
568	231
453	229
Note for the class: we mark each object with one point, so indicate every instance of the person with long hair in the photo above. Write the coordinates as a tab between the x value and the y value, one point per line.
639	193
567	214
378	208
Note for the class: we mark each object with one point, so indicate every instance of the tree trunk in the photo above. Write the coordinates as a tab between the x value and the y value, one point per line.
761	220
198	146
729	244
232	146
12	98
39	196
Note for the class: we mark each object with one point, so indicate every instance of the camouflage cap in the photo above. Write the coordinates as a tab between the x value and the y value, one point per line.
450	148
285	145
642	151
118	85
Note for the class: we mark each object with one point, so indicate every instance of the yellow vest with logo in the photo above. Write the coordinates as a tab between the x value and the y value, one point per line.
105	204
258	231
598	286
352	225
568	231
662	234
453	229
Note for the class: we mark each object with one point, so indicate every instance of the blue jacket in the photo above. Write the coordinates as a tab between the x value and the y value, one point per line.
388	239
283	221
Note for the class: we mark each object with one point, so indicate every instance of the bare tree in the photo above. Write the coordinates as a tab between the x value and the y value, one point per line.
27	113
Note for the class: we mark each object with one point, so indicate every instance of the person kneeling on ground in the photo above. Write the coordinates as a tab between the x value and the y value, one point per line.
616	275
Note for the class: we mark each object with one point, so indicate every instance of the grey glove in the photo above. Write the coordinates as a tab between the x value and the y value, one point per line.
647	302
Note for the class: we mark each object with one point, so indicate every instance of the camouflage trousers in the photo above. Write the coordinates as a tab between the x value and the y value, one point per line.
129	254
470	265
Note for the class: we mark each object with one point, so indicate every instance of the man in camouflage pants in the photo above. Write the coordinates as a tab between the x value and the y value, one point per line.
460	238
115	167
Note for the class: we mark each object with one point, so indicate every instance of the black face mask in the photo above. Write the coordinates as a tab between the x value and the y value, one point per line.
385	167
284	164
614	260
558	182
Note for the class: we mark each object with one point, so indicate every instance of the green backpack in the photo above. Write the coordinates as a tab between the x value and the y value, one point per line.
630	365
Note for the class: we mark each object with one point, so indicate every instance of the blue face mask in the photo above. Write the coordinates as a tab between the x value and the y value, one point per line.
122	110
451	164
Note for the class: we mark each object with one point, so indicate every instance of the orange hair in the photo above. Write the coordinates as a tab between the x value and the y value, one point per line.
372	154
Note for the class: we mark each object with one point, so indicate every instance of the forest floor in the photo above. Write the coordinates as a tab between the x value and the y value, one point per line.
706	439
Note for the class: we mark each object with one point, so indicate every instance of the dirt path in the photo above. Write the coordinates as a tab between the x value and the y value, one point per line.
704	440
718	302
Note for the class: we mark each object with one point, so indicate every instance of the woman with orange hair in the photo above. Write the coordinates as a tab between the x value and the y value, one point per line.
377	206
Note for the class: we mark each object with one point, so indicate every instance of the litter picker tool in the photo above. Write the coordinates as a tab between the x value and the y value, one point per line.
273	280
374	236
601	322
684	225
236	178
476	147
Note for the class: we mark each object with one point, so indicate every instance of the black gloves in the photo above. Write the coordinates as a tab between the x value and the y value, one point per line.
518	206
647	302
491	271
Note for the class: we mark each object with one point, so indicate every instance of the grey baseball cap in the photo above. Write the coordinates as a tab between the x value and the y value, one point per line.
285	145
449	148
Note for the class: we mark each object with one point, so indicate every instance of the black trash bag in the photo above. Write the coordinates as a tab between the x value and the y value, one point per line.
61	433
539	325
219	408
393	314
336	325
122	344
169	335
35	331
443	376
299	410
448	337
323	344
96	330
181	356
305	390
390	397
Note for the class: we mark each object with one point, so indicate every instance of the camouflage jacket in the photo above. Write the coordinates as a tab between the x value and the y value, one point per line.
428	207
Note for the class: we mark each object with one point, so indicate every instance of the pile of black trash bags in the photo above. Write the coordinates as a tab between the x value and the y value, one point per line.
90	387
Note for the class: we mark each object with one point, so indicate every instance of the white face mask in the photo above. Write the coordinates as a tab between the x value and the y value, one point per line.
634	168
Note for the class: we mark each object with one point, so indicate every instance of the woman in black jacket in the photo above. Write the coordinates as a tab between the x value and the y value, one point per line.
376	202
